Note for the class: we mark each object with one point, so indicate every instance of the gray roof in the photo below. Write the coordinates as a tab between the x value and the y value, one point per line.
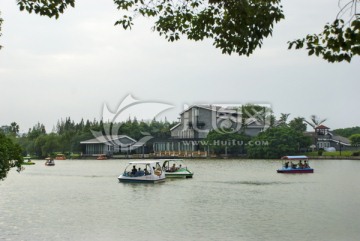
172	128
207	107
341	139
107	139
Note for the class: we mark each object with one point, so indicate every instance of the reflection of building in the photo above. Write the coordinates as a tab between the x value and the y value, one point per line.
324	138
107	145
195	124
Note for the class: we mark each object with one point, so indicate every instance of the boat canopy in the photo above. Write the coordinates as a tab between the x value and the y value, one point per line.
294	158
144	162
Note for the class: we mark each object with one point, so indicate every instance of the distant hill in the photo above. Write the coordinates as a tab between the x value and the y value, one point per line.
347	132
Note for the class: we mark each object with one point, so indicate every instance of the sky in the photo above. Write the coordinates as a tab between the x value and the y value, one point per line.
71	67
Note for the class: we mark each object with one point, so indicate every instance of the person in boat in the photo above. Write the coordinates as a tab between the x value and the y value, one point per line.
146	171
301	165
286	165
173	168
140	172
133	170
293	165
306	164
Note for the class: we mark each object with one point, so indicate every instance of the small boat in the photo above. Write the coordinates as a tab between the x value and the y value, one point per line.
143	171
102	157
27	161
49	162
290	167
60	157
176	168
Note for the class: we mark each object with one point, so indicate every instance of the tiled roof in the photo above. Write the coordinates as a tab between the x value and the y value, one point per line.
322	127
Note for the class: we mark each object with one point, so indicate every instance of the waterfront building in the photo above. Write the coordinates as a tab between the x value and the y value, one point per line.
107	145
197	121
326	139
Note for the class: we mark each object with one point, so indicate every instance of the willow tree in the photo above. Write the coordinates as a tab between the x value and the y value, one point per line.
235	26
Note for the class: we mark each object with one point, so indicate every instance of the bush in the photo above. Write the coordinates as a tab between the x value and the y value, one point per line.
356	153
320	152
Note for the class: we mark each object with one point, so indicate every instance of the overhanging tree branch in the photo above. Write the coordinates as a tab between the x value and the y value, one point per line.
235	26
339	41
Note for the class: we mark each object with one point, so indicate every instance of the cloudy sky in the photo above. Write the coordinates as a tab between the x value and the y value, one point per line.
51	69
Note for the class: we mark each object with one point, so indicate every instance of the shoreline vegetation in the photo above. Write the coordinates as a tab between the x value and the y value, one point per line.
271	144
146	156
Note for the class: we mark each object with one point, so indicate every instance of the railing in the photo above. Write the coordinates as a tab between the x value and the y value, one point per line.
180	154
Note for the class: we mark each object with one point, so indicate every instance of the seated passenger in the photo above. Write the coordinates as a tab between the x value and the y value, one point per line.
146	171
133	170
173	168
301	165
293	165
286	164
306	165
139	172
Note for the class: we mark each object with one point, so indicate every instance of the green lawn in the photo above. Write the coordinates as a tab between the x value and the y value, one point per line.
335	153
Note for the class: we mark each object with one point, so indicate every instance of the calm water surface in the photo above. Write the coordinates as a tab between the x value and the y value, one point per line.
226	200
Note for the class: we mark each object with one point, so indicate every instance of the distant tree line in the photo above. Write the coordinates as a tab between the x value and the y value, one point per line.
347	132
280	138
353	133
67	135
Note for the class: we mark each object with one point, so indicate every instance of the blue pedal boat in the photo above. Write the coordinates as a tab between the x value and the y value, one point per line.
301	167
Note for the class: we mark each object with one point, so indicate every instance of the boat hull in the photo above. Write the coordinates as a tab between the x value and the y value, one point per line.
178	175
139	180
298	170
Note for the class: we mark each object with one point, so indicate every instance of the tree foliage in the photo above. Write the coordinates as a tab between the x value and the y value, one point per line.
339	40
298	124
279	141
355	139
10	155
67	135
236	26
283	119
50	8
347	132
315	121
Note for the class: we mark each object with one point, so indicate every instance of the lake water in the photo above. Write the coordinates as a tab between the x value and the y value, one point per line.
226	200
